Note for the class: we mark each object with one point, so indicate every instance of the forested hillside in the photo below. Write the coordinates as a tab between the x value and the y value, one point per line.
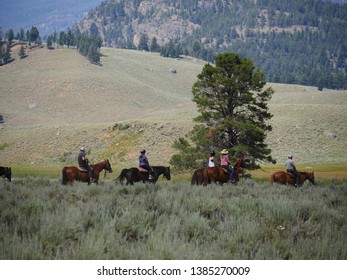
292	41
47	15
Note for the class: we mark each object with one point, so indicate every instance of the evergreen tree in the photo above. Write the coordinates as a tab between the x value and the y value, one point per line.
154	45
143	44
6	57
62	38
21	52
49	41
10	36
233	111
21	35
69	38
34	34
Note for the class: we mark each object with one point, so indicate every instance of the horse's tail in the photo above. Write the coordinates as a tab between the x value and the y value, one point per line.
122	175
64	179
272	178
205	177
194	180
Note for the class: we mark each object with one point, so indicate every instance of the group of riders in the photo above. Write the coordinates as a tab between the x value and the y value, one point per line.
225	163
83	162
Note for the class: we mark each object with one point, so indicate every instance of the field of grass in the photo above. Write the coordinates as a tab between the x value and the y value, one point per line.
41	219
53	102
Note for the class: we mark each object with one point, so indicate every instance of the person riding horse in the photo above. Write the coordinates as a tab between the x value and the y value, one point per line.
225	163
291	168
144	163
212	159
83	163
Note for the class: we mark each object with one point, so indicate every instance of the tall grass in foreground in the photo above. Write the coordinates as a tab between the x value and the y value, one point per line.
41	219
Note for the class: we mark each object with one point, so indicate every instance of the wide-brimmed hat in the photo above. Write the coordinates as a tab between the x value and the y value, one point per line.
82	148
290	156
224	152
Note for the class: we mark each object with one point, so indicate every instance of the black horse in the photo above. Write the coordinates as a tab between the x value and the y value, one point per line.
6	173
133	175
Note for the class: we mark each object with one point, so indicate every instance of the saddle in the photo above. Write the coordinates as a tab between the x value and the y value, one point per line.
225	170
142	170
82	169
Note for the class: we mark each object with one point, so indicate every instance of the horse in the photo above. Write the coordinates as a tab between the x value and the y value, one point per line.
134	174
282	177
198	177
216	174
6	173
72	173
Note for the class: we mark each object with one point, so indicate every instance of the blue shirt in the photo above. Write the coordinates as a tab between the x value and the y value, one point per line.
143	160
82	162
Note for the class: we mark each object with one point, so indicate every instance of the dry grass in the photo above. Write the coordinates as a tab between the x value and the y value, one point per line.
55	101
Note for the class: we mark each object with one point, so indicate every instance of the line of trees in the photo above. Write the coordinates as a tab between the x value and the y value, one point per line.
30	36
292	41
88	45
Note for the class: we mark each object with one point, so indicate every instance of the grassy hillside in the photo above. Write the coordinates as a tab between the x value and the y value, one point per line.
55	101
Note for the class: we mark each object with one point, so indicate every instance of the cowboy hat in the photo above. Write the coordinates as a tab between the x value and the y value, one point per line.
224	152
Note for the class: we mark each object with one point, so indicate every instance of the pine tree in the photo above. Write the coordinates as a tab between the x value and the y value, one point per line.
21	52
143	44
154	45
6	56
233	111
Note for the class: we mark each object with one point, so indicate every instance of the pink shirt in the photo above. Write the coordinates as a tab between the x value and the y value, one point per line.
224	160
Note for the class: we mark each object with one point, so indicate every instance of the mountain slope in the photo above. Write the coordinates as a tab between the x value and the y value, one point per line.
48	16
292	41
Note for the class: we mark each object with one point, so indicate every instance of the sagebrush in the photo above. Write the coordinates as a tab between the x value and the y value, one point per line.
41	219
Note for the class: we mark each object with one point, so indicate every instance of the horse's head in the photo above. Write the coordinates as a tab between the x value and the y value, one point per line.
239	163
167	173
108	166
311	177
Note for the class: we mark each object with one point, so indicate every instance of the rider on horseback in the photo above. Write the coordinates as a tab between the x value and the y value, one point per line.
290	168
83	162
144	163
212	159
225	163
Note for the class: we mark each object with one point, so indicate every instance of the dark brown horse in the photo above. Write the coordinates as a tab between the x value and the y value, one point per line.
210	175
72	173
6	173
133	175
282	177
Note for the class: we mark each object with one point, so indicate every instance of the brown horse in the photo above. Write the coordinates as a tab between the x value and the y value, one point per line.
72	173
210	175
282	177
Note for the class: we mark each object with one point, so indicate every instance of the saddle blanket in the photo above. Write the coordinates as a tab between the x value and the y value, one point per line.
142	170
